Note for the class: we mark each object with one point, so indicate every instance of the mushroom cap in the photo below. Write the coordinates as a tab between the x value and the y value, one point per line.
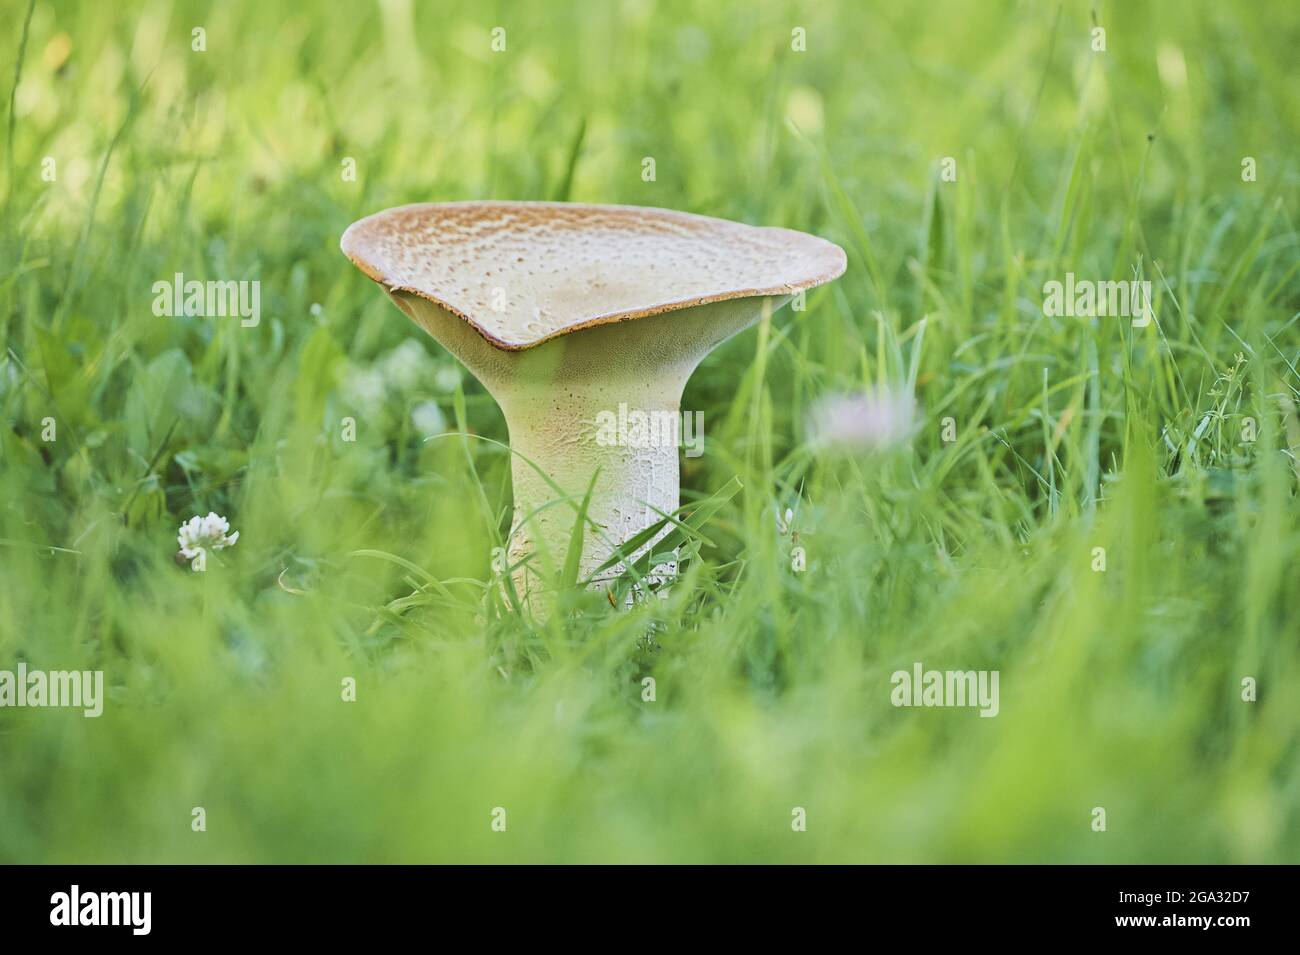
522	273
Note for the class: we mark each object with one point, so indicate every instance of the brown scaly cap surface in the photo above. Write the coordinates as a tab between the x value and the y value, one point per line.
551	268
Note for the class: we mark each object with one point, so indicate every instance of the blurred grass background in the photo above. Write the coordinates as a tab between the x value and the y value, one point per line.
1119	690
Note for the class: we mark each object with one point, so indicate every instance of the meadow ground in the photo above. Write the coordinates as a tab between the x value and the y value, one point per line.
1104	513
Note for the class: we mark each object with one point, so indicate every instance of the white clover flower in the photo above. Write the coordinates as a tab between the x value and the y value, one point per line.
406	365
446	378
428	418
784	521
200	533
364	389
862	421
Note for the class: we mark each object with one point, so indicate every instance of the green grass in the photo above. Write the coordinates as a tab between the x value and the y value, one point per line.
1119	689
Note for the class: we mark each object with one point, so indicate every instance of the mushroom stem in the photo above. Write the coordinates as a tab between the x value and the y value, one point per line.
557	395
568	442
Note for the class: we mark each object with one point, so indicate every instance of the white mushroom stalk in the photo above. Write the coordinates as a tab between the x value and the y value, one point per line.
568	313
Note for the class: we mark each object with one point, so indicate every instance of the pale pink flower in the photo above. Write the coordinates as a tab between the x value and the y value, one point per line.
861	421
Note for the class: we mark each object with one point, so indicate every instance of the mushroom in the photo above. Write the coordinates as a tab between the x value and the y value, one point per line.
568	314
